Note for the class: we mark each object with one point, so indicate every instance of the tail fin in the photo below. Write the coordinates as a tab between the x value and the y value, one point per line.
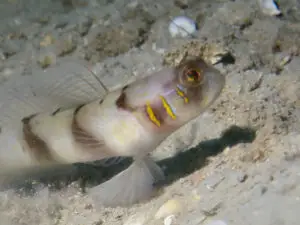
130	186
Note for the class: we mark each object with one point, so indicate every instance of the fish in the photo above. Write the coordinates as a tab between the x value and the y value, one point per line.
67	115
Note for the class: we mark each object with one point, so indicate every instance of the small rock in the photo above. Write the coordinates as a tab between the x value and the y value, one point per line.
66	46
253	80
284	59
213	181
210	208
47	40
235	177
171	207
88	206
44	20
242	177
280	61
45	61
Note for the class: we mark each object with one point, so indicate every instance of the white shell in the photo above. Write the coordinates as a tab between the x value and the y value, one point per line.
269	7
182	26
169	220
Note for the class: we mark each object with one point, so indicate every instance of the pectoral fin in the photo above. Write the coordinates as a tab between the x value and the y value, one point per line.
132	185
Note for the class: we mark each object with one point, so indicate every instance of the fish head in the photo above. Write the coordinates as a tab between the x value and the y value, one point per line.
198	85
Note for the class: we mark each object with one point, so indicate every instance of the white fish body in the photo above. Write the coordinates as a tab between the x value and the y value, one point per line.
63	122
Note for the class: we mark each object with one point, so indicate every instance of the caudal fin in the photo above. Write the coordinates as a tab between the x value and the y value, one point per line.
132	185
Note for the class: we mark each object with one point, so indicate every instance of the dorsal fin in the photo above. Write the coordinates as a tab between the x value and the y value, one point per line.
71	81
66	85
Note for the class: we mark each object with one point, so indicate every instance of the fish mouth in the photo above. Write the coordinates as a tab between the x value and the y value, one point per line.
217	83
214	85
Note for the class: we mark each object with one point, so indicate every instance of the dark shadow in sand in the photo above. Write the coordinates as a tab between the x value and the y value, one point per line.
193	159
176	167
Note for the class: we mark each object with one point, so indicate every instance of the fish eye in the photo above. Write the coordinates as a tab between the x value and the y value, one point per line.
192	76
191	73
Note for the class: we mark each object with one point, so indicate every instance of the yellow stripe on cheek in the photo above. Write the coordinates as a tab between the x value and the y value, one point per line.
151	115
181	94
167	107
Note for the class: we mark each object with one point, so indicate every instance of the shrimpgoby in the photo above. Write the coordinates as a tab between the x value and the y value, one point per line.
58	121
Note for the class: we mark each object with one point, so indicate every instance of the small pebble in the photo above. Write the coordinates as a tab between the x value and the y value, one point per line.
66	46
285	59
47	40
213	181
171	207
44	20
242	177
253	80
46	61
280	61
182	26
212	209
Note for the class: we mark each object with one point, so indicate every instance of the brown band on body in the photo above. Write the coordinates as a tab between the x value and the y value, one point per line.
85	139
122	102
39	148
